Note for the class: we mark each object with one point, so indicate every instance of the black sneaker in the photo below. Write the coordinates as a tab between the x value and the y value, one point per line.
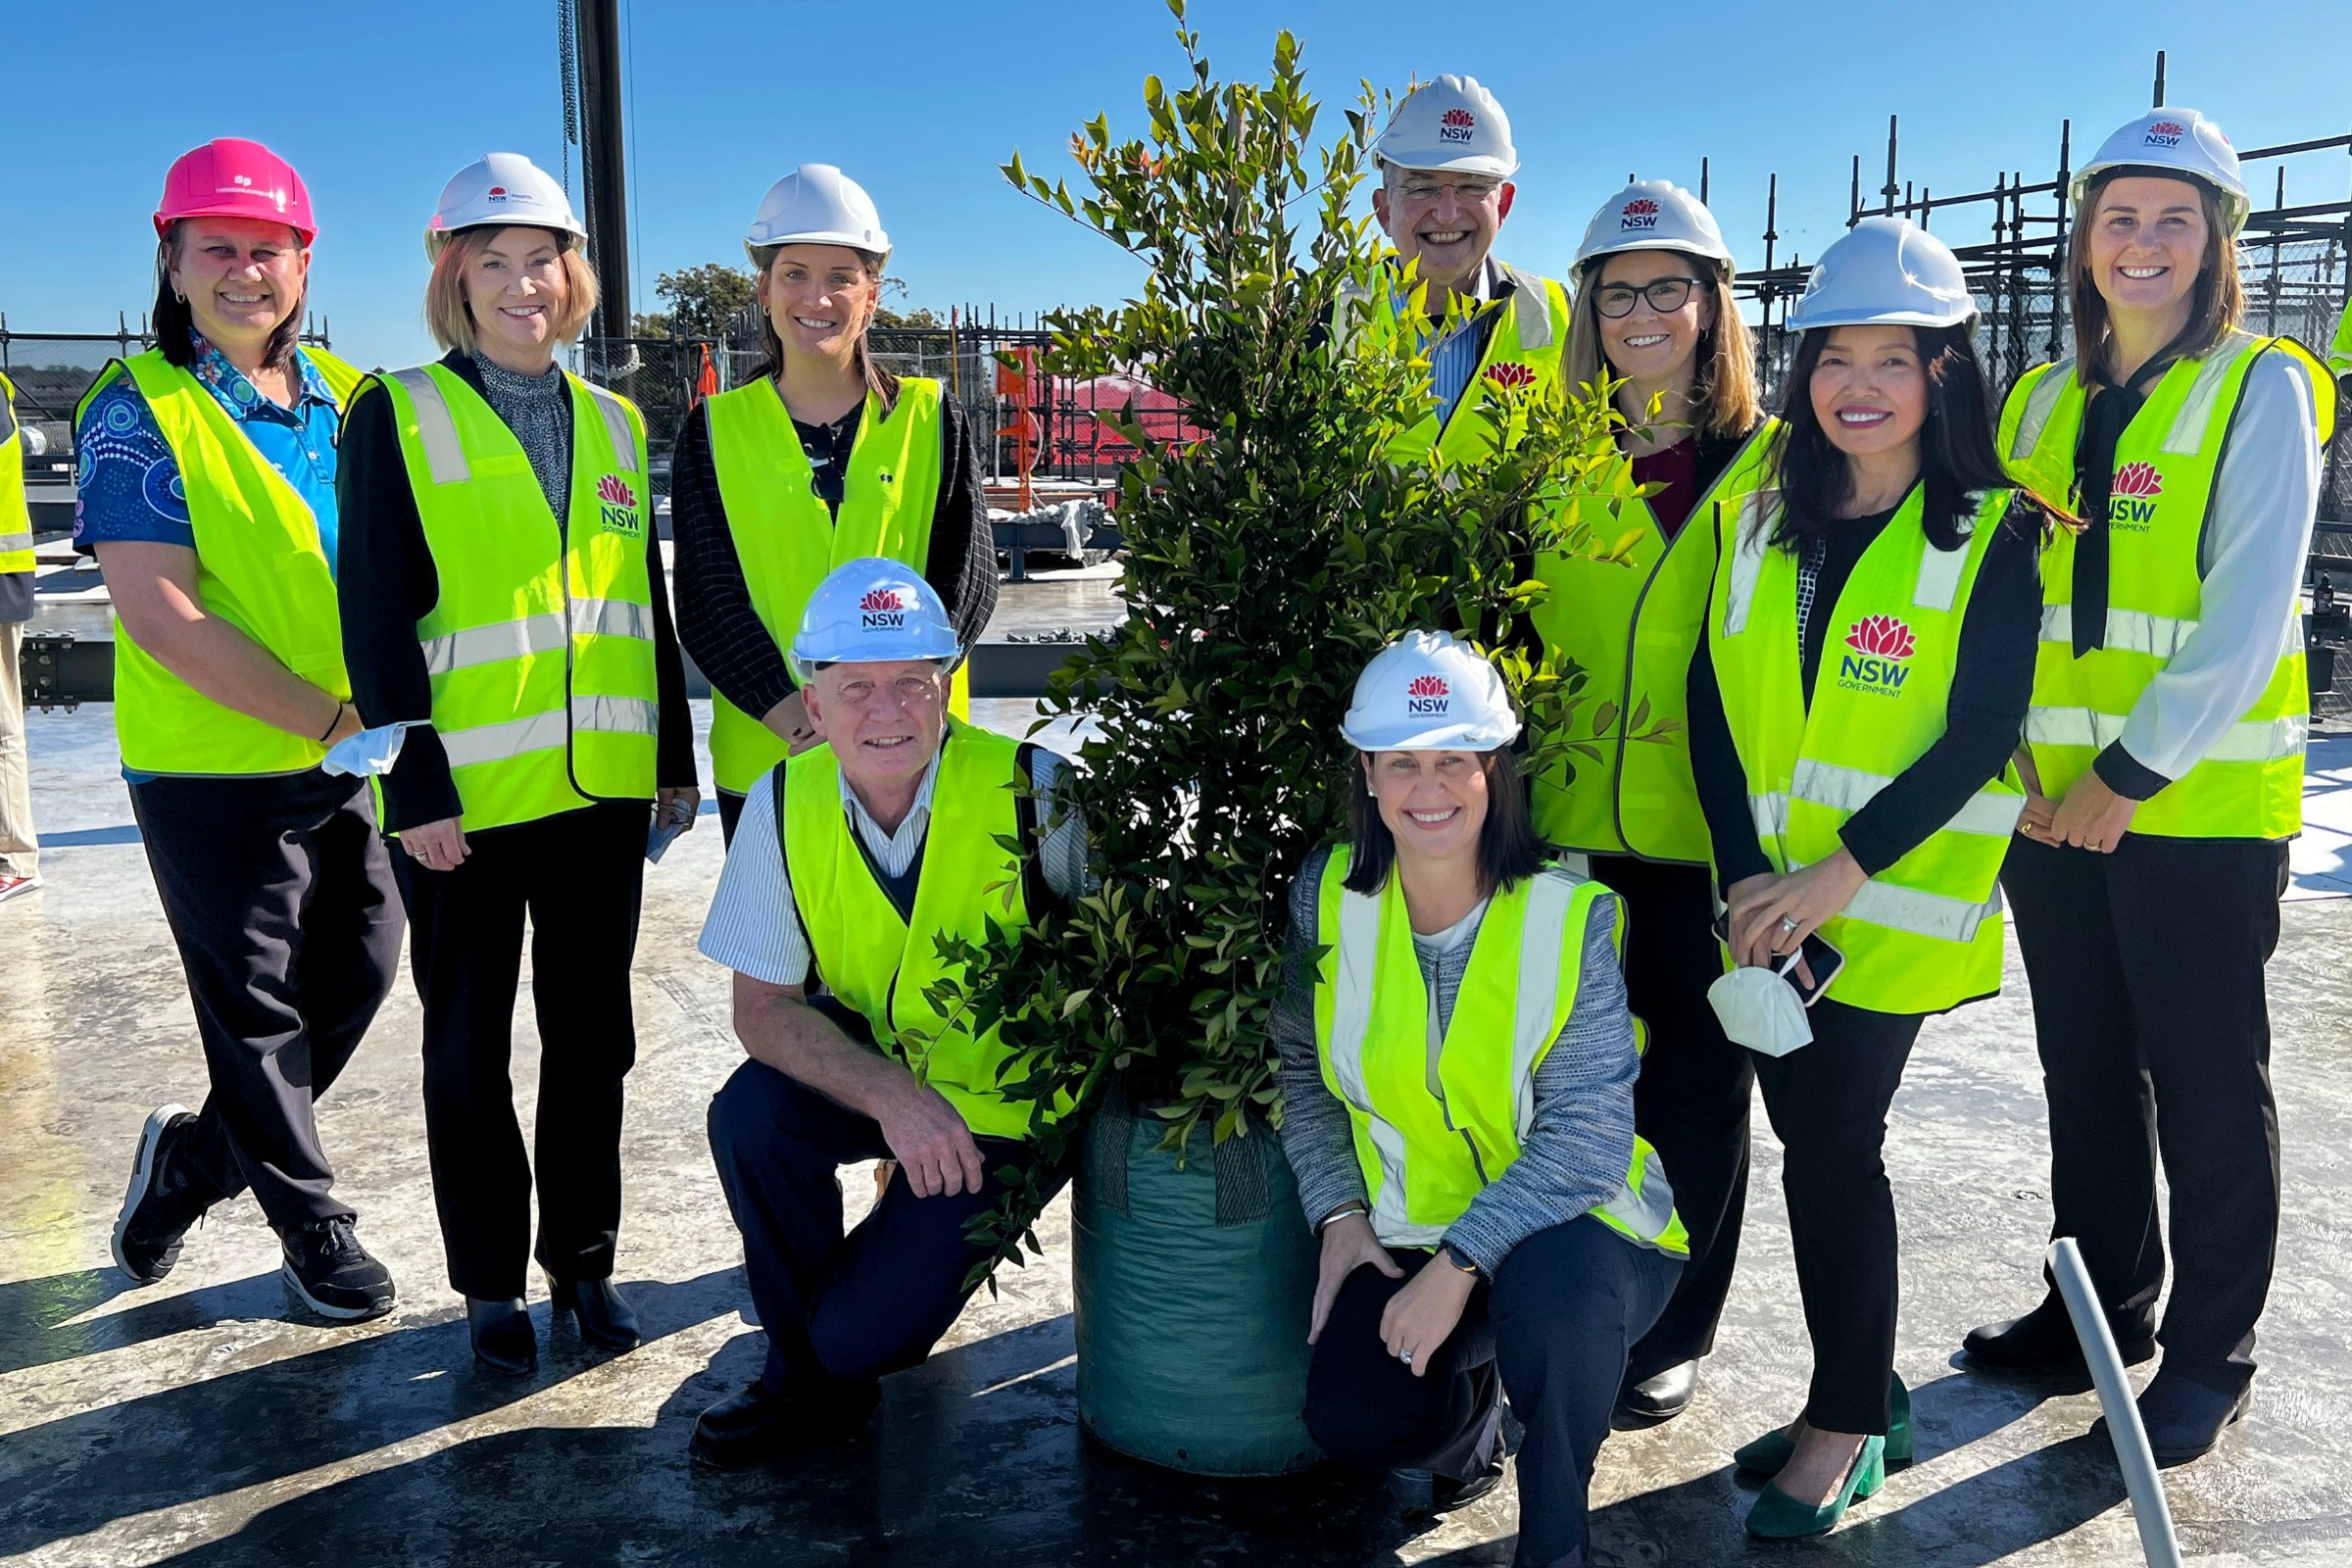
165	1200
333	1274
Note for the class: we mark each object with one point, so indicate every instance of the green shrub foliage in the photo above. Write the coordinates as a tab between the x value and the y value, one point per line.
1265	564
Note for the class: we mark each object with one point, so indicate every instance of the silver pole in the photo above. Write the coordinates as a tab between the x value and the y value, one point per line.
2149	1509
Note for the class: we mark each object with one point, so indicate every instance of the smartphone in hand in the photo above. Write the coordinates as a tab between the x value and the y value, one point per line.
1822	962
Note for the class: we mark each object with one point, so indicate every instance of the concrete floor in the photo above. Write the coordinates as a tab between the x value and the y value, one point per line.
194	1423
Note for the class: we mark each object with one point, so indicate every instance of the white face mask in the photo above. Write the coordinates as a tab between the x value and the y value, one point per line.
371	751
1759	1010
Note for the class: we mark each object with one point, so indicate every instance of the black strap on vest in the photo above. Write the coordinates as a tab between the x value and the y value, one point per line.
2104	421
775	779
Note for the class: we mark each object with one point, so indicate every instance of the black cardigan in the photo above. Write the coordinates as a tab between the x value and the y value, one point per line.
385	583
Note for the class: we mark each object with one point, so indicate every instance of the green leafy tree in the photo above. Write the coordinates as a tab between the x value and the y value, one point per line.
705	302
1265	564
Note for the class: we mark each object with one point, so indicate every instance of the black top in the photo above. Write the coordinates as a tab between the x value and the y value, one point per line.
724	634
15	597
385	583
1992	685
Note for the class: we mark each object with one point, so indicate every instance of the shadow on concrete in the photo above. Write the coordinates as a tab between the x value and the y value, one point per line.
36	1327
180	1445
1997	1513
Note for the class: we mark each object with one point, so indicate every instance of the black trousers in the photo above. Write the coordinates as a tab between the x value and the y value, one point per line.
1691	1100
839	1310
730	813
579	877
1827	1104
2155	1036
281	903
1552	1331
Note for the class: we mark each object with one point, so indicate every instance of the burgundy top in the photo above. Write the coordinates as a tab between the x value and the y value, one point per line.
1677	468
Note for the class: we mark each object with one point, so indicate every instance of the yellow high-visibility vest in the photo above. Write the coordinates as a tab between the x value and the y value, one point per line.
15	518
1524	349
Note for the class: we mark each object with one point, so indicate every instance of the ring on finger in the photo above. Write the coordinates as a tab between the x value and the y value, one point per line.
1788	923
1406	1357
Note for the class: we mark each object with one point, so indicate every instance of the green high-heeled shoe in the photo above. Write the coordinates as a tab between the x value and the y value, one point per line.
1769	1455
1777	1516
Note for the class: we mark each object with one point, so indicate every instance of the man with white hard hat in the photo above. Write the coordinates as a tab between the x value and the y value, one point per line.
1446	163
850	862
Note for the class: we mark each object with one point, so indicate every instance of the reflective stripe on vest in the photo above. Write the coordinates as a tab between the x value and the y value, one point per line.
1632	627
553	709
1925	933
2168	459
787	540
881	963
260	566
1424	1155
1532	334
16	518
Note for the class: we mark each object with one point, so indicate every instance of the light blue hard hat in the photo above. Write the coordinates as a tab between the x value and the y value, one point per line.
869	611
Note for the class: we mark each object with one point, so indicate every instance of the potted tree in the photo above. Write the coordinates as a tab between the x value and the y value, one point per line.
1266	564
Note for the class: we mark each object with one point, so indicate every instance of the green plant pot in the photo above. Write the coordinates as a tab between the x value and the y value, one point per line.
1192	1290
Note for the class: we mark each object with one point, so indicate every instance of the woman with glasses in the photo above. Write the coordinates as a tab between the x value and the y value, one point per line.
825	458
1861	684
1654	319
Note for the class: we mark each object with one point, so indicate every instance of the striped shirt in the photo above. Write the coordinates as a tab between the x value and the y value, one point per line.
1453	357
754	927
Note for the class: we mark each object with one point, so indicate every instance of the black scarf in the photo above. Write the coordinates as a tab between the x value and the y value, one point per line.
2110	413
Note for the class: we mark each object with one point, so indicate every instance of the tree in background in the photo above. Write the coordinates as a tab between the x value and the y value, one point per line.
705	302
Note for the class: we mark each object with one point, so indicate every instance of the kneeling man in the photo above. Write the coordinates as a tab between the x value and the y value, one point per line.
851	859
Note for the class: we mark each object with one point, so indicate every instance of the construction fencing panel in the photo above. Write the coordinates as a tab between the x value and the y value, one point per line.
52	371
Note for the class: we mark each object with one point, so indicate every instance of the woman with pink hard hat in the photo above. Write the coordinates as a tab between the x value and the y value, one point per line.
206	490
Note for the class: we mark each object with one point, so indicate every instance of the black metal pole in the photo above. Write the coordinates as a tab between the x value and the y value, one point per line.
1890	190
604	162
2159	102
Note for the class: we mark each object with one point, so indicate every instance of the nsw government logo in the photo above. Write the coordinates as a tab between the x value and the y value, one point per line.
2165	133
882	610
1456	125
2132	498
619	509
1639	213
1877	647
1428	695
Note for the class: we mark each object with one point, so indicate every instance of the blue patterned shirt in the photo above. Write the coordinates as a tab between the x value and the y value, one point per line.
128	484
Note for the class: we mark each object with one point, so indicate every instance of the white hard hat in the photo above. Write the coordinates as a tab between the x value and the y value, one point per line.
501	189
1451	124
816	204
1885	271
1654	214
2174	141
1429	691
870	611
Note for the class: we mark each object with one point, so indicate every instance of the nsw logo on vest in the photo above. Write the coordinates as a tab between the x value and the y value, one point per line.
2165	133
1877	647
1456	125
2132	498
1639	213
619	509
1428	695
882	610
1510	372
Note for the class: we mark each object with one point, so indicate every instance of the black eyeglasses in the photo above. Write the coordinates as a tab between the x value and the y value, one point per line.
1666	296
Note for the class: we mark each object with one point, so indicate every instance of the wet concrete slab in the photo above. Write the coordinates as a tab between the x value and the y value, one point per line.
194	1423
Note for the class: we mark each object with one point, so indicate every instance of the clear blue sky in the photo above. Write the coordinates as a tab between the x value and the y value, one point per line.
920	101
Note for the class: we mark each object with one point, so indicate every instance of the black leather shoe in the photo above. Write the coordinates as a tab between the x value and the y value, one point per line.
2186	1418
1660	1398
503	1340
746	1427
1445	1494
606	1319
2043	1340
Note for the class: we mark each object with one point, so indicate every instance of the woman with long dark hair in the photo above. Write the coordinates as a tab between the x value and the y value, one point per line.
2165	760
1862	682
1457	1077
825	458
1654	316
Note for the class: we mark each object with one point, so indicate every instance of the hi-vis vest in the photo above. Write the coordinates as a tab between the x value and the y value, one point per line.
883	961
1924	934
2339	352
2250	784
1524	349
1425	1155
260	566
541	644
788	541
16	519
1633	627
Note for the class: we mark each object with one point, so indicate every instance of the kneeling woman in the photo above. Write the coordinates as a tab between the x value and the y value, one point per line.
1862	682
1458	1089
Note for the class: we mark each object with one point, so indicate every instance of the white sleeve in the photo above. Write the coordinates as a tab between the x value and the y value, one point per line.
752	927
2257	535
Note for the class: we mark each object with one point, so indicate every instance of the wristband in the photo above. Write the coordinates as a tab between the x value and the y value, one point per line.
1353	1206
332	722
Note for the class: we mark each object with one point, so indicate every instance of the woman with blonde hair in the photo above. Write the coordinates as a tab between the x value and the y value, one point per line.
504	604
823	459
1654	319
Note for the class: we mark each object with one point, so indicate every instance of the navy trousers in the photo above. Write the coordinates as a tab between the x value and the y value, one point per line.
1552	1331
838	1308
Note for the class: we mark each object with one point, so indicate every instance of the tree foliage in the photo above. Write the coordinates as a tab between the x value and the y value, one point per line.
1265	564
705	302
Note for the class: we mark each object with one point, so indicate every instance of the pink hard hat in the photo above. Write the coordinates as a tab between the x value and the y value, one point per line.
232	177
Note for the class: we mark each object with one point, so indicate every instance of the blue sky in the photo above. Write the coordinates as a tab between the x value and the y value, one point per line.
920	101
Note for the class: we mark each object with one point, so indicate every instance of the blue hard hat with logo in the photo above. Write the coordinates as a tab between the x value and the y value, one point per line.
873	610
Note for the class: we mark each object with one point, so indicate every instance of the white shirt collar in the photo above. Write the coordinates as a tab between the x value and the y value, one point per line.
911	831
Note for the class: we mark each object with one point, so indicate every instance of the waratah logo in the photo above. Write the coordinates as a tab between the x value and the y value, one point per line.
2165	133
612	487
1429	686
619	511
1456	125
498	190
2131	496
1639	213
2138	480
1427	694
882	610
1883	635
883	599
1510	372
